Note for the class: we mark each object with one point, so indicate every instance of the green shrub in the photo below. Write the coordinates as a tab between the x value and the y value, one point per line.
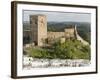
71	49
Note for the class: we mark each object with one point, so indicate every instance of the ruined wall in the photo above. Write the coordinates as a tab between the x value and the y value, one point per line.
55	34
68	34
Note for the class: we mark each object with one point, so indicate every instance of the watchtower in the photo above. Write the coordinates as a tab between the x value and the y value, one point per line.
38	25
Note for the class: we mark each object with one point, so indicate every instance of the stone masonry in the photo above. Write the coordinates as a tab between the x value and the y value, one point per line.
38	29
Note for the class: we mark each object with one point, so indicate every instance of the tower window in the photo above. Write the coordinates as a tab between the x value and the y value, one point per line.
35	22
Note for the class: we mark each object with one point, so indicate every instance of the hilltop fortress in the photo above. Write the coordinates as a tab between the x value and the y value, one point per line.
38	32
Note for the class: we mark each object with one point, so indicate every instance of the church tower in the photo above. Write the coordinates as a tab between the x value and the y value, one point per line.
38	25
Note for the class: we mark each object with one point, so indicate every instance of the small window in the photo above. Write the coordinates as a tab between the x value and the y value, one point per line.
35	22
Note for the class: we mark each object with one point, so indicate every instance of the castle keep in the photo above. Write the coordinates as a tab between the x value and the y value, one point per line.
38	31
38	24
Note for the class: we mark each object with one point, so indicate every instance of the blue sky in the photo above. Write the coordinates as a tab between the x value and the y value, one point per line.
59	16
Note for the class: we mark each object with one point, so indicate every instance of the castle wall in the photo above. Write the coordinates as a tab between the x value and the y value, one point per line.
55	34
68	34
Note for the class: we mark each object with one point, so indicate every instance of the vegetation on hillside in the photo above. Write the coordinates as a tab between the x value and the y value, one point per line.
71	49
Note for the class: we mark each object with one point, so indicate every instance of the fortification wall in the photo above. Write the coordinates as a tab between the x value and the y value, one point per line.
55	34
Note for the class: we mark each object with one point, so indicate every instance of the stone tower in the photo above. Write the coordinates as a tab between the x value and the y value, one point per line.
70	32
38	25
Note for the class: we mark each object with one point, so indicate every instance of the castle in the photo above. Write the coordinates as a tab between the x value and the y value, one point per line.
38	31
